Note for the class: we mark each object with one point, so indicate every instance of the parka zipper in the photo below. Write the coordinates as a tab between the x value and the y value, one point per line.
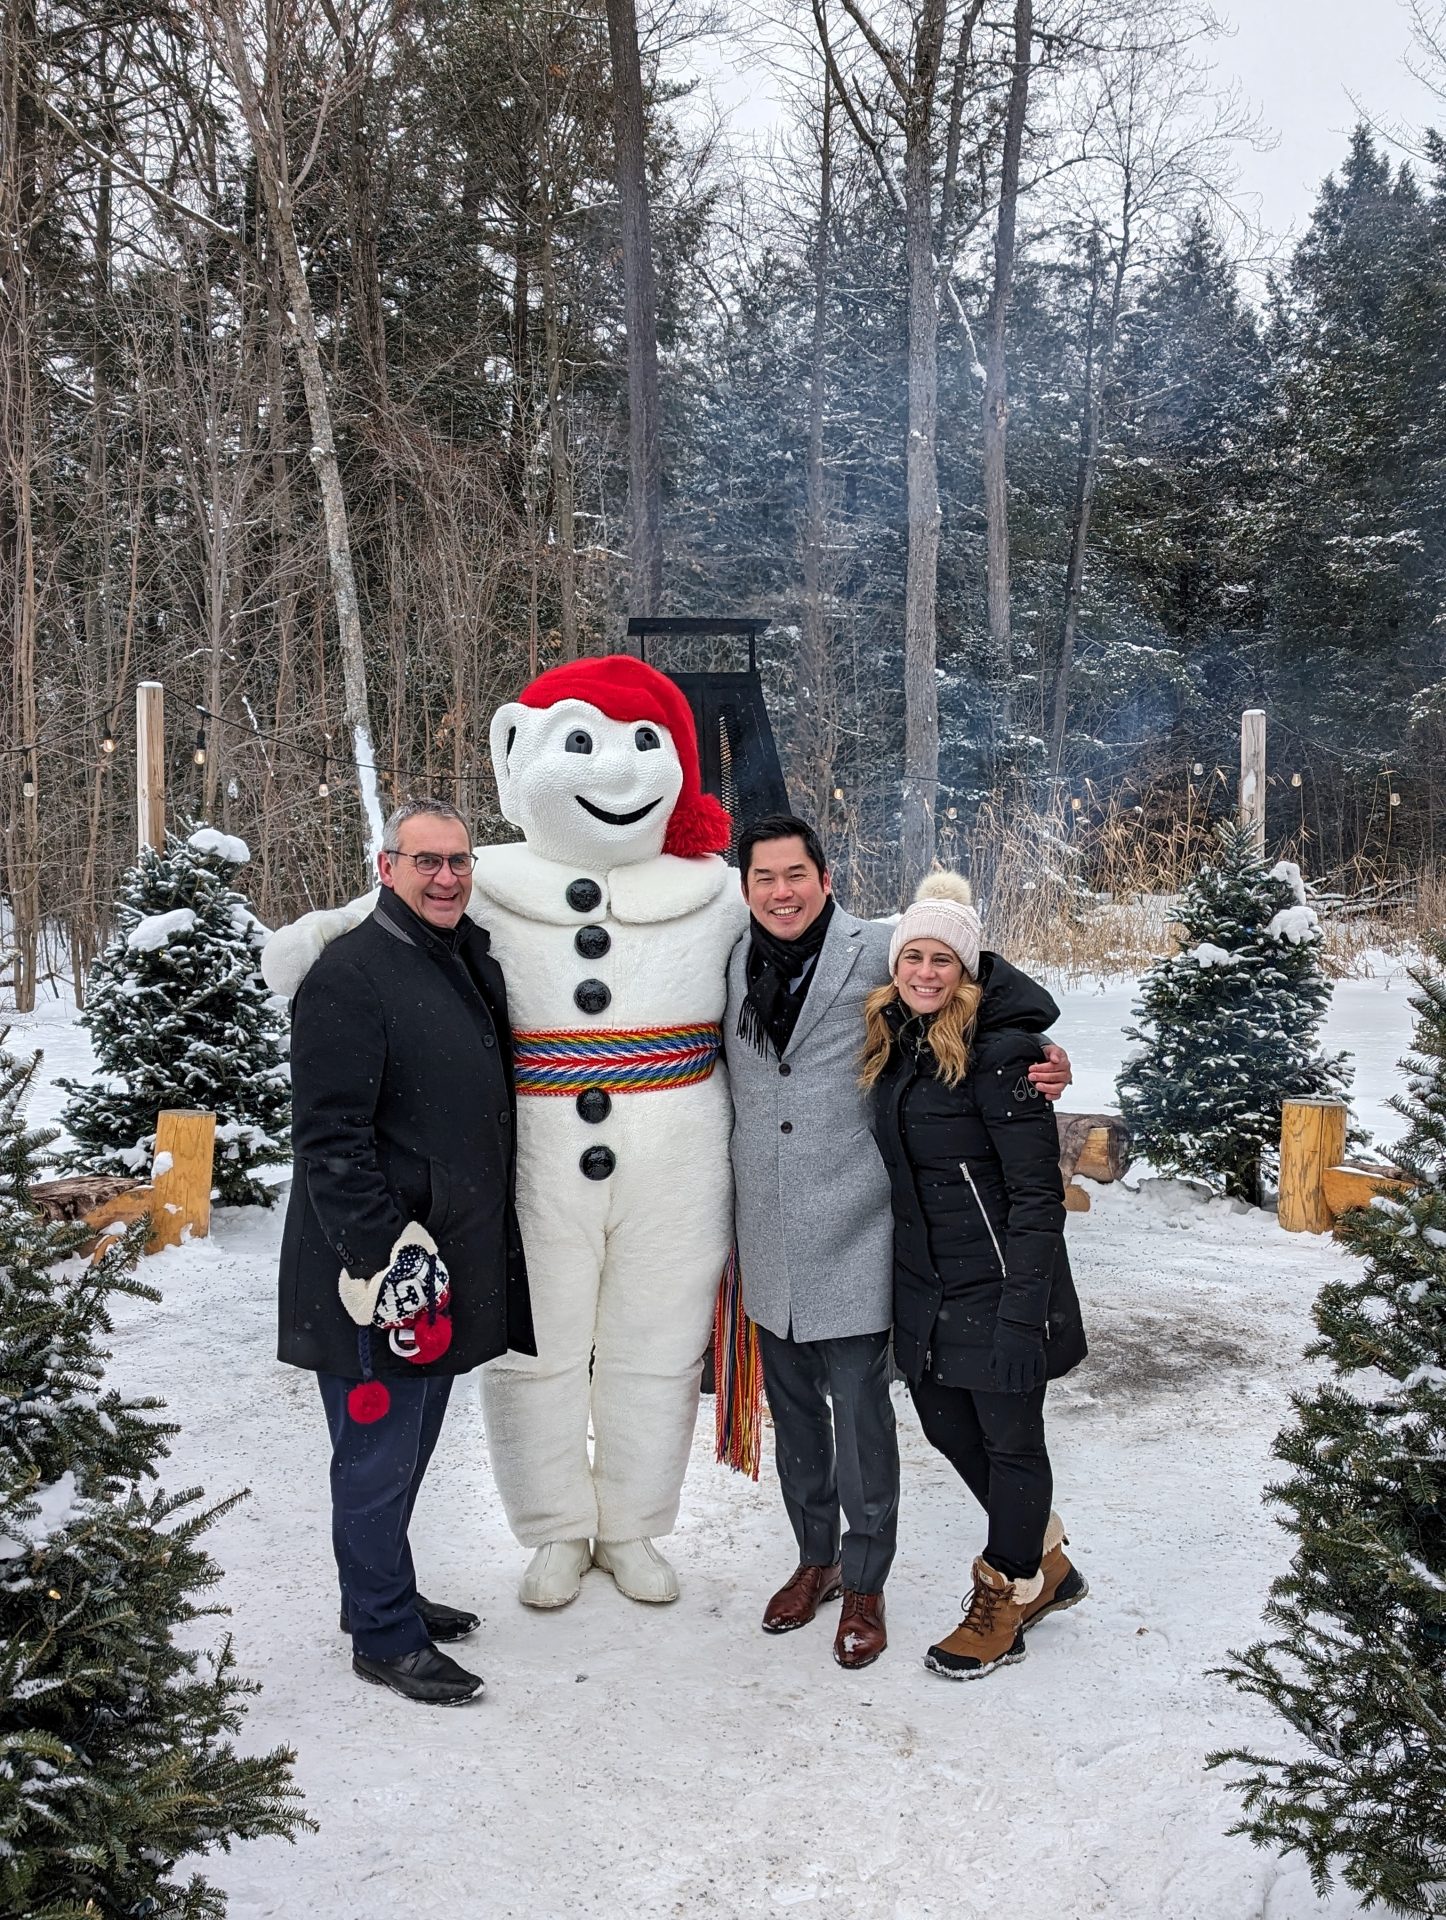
979	1202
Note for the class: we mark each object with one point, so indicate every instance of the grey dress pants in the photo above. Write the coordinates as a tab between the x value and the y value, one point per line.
845	1457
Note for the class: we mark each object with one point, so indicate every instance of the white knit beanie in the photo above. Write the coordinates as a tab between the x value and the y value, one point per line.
942	910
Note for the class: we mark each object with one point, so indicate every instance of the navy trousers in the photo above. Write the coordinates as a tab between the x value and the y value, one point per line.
376	1474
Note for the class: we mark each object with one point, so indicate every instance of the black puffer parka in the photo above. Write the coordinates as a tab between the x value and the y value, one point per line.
977	1192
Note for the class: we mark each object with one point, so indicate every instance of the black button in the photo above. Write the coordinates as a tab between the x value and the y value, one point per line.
592	942
584	895
598	1162
488	1041
592	995
594	1105
504	1118
787	1127
784	1068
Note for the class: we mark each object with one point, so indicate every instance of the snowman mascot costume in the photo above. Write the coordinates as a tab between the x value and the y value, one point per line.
612	920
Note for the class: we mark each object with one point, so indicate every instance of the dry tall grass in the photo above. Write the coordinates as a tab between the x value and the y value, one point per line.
1089	889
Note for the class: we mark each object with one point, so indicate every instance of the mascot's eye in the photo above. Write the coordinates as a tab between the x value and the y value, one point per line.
645	738
578	741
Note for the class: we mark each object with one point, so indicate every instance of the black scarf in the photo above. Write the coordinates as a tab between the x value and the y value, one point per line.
772	1005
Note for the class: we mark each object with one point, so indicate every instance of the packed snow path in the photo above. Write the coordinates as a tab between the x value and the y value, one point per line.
636	1761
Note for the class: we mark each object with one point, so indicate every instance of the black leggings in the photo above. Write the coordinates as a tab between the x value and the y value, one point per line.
995	1443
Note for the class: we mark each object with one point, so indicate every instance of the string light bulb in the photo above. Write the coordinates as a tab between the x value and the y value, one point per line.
27	785
1395	799
1295	779
1198	768
107	745
1076	804
323	787
198	752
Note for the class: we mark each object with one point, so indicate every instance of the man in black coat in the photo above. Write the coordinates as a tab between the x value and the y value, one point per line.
401	1261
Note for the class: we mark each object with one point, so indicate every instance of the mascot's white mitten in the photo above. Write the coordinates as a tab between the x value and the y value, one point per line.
291	952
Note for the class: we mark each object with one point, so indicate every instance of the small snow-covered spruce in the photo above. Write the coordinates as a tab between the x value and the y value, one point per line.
116	1761
1357	1664
1232	1021
180	1017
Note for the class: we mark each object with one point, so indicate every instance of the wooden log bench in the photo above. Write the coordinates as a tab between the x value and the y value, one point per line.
1317	1182
1092	1146
177	1196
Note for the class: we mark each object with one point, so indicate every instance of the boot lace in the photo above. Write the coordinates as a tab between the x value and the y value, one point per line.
980	1608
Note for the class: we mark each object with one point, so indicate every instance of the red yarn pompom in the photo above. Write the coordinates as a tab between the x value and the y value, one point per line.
433	1337
368	1401
698	825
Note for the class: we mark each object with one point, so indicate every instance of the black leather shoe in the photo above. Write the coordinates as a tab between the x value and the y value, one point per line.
433	1678
442	1623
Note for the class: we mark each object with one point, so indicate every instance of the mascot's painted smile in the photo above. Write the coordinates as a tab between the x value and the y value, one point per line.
617	819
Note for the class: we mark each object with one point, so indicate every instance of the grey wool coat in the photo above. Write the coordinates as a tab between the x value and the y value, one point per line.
813	1217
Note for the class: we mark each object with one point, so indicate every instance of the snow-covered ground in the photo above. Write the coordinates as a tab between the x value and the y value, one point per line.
629	1761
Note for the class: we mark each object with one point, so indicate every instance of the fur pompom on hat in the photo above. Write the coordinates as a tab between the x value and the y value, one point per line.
627	689
943	909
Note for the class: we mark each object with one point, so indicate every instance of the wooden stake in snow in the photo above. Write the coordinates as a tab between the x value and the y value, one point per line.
150	766
1252	775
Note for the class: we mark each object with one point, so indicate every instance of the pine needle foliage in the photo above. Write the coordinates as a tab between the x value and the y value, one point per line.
1357	1663
1233	1020
180	1017
115	1757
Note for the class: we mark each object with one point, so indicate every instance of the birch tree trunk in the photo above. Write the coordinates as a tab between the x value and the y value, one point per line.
19	190
996	372
1099	355
921	576
815	665
262	106
641	304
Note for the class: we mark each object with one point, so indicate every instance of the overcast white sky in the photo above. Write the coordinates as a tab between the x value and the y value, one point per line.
1298	62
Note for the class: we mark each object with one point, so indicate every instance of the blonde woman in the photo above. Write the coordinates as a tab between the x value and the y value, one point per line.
985	1311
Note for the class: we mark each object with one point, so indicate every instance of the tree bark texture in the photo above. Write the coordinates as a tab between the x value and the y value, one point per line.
265	122
921	577
641	311
996	371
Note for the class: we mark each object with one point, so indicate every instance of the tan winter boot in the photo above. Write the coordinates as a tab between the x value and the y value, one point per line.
1064	1584
991	1634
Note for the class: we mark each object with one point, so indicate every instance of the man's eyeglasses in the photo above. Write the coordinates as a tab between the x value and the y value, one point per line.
433	863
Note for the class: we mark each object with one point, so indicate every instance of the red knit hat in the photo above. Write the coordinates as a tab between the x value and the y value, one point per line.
627	689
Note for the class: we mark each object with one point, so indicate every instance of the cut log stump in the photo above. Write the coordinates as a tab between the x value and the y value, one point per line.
177	1196
1092	1146
1312	1140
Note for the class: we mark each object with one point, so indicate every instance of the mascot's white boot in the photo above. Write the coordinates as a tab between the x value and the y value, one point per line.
612	921
554	1574
638	1569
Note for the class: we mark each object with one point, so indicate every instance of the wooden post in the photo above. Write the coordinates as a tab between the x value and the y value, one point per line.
150	766
181	1189
1312	1140
1252	775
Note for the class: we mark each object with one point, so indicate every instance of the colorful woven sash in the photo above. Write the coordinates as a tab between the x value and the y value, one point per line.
617	1060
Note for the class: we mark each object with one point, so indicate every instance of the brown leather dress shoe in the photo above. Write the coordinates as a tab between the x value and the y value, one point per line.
861	1637
795	1603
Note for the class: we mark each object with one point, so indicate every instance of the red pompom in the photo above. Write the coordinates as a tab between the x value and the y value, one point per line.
368	1401
433	1337
697	826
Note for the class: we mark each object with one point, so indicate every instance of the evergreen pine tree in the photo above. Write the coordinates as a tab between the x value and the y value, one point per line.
1233	1019
180	1017
114	1760
1358	1667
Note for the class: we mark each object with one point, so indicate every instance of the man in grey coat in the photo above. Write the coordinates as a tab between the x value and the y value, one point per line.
815	1226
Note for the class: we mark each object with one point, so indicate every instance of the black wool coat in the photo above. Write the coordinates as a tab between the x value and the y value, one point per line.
403	1108
977	1193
